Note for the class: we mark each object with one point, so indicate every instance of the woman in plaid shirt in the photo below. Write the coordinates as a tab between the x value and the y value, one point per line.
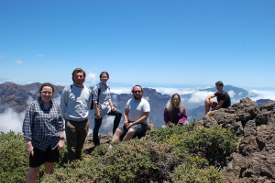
43	130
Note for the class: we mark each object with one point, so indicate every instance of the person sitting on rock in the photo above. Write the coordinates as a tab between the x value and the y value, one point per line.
174	111
136	115
223	99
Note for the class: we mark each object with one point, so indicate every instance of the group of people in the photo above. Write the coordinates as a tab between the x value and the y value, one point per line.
43	126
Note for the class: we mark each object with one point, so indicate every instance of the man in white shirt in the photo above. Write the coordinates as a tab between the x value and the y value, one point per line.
135	116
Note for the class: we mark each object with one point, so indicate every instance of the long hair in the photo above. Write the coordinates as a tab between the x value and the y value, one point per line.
170	107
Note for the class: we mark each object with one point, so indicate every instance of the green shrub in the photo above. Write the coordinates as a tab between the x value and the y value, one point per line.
192	174
215	144
137	161
13	161
81	171
163	134
176	154
132	161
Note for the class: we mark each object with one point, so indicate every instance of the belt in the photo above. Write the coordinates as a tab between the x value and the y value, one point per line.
82	121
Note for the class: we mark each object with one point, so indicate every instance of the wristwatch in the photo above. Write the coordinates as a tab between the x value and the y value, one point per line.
61	138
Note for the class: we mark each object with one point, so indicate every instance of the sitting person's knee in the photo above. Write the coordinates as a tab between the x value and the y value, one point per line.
213	105
131	131
118	132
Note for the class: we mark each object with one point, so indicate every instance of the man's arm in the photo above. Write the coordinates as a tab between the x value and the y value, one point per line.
219	105
209	97
141	119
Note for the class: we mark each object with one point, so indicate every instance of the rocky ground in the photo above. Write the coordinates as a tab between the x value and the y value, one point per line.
254	160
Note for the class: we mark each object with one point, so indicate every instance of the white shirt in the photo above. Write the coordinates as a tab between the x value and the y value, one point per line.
137	108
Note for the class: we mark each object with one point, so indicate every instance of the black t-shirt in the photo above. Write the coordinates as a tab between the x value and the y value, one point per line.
223	96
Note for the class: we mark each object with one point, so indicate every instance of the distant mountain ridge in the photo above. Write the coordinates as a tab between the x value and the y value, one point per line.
18	96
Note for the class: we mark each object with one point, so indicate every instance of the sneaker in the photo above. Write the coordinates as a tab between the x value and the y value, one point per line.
110	147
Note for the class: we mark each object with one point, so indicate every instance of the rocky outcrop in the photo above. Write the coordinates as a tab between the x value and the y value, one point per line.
16	96
254	160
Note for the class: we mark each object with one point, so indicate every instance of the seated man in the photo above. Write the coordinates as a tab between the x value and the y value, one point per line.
223	99
135	116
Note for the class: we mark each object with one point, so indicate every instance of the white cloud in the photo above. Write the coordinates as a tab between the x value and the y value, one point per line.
171	91
91	77
147	98
40	55
19	61
107	123
57	99
11	120
231	93
29	100
121	90
106	126
164	91
199	96
34	91
263	95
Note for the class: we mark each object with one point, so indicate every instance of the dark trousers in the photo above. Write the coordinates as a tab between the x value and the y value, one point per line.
76	132
98	122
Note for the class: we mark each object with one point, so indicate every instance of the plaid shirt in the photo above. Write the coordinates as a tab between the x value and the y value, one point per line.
42	126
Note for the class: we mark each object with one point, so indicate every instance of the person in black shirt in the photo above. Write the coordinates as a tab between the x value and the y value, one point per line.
223	99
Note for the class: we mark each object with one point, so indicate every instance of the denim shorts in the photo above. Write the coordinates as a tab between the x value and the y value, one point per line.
40	157
141	127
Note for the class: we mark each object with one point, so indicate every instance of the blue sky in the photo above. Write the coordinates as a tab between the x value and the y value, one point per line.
155	43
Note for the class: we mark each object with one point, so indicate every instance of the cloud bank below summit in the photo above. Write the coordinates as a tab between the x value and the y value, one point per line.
11	120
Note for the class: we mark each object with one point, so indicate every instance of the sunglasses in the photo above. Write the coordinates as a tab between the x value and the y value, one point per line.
137	91
175	99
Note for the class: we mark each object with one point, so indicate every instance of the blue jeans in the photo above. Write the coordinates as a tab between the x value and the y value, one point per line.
98	122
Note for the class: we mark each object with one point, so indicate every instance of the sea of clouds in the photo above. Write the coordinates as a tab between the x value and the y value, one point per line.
11	120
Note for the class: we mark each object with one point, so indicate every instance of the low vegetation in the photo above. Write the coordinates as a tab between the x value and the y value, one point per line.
174	154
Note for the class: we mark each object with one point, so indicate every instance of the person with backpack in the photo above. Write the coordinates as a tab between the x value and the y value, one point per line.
103	105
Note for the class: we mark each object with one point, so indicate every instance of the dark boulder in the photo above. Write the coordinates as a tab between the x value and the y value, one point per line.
254	161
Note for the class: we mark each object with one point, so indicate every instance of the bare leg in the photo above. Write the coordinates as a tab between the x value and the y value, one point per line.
129	135
32	174
207	104
117	135
49	167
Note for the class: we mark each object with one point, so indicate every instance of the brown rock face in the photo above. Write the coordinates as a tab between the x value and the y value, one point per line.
254	160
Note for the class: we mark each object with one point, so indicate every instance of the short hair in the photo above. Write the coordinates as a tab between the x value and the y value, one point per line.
134	88
219	83
46	84
77	70
104	72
